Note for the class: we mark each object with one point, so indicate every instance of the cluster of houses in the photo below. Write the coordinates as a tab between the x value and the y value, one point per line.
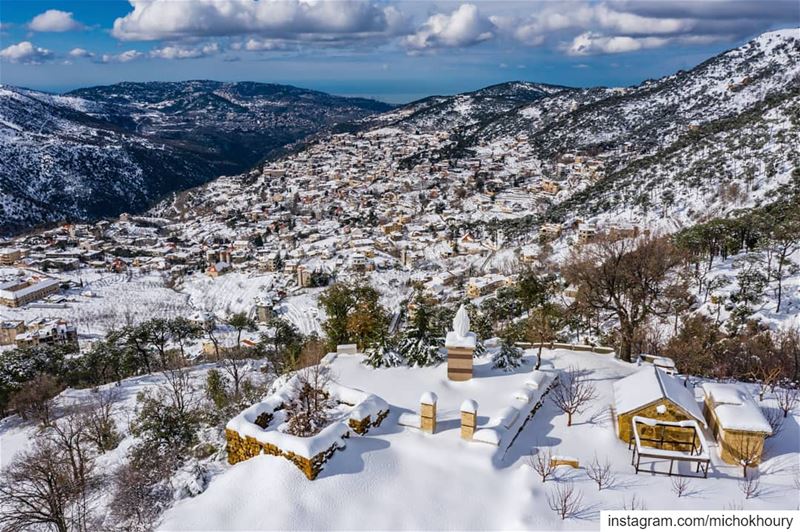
346	204
39	331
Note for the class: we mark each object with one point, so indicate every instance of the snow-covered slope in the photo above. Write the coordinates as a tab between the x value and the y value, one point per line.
104	150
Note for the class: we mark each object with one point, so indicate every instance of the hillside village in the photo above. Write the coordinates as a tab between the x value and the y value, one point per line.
386	315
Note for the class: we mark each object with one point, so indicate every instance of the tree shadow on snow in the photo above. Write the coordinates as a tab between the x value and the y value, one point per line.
784	442
587	513
535	435
350	460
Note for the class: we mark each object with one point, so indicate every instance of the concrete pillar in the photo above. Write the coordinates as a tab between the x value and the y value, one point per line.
469	418
427	412
459	362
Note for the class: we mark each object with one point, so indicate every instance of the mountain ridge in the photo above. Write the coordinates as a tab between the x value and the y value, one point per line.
103	150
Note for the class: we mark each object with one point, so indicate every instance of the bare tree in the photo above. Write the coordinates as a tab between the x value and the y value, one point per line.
234	363
542	463
635	503
573	393
787	398
601	473
750	486
140	494
69	435
308	410
179	388
34	400
630	279
564	499
774	417
767	377
35	490
746	450
680	486
101	429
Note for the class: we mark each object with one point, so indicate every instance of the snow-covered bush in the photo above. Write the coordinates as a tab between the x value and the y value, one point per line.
420	351
384	354
508	357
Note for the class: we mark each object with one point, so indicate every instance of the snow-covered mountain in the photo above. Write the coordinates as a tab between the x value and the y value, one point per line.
679	149
104	150
686	147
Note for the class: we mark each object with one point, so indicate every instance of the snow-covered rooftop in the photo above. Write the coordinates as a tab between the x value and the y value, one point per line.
651	385
735	408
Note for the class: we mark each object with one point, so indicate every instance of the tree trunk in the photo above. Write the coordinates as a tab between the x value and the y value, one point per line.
539	356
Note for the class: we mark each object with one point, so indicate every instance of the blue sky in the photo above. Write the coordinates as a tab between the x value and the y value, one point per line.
391	50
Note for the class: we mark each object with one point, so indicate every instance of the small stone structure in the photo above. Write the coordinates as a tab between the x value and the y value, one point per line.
255	430
460	344
469	418
737	423
347	349
427	412
556	461
652	393
240	449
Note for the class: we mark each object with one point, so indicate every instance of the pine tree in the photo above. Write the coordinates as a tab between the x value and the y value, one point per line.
384	354
420	346
508	357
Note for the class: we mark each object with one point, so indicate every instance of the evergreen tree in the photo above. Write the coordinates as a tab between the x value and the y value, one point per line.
508	357
420	346
384	354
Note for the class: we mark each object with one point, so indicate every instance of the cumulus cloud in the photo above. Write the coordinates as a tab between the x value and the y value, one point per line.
54	20
578	27
463	27
25	52
260	45
80	52
617	26
124	57
184	52
298	19
591	43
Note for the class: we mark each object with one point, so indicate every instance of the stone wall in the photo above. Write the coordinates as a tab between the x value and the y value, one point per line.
734	445
671	412
362	427
243	448
533	411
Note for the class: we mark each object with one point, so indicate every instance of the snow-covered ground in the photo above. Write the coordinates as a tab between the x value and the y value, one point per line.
226	294
398	477
16	434
723	274
107	301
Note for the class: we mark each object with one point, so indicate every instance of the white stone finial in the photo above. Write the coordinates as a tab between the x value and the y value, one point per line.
461	322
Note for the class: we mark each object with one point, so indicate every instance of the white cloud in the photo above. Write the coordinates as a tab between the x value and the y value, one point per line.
25	52
80	52
463	27
617	26
124	57
260	45
54	20
589	43
184	52
577	26
297	19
